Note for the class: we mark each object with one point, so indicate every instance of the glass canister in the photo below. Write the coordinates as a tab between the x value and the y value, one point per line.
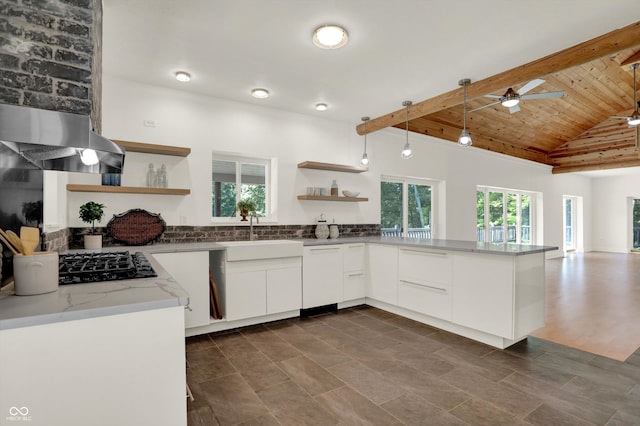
322	229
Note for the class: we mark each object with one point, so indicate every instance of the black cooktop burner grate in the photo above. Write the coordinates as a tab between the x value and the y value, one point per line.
94	267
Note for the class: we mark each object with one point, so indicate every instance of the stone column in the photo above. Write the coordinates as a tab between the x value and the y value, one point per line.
51	55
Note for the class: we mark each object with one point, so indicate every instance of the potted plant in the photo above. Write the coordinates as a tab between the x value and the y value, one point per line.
91	212
245	207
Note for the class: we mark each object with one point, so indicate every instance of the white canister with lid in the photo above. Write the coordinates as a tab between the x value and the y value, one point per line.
36	274
334	232
322	230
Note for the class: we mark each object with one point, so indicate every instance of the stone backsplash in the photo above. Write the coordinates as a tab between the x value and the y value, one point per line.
72	238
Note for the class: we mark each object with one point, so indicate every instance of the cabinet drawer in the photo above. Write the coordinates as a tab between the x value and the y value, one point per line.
430	267
354	285
429	300
353	257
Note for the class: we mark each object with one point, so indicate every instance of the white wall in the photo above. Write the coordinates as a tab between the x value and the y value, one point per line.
205	124
612	212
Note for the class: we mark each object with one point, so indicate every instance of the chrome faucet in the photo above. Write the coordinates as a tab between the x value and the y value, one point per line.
251	216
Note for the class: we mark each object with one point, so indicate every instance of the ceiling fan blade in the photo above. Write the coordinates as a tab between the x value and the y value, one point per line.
530	85
514	108
484	106
543	95
493	96
619	116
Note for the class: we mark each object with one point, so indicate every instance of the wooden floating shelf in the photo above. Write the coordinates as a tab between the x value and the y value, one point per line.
126	189
331	167
330	198
148	148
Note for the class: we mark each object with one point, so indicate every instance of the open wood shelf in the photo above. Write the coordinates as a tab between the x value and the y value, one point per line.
330	198
148	148
331	167
126	189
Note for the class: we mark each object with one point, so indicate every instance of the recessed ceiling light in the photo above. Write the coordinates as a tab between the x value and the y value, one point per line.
330	37
183	76
321	107
260	93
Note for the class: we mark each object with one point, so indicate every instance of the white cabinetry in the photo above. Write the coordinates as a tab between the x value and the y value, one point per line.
383	273
126	369
425	278
354	271
256	288
191	271
322	270
499	295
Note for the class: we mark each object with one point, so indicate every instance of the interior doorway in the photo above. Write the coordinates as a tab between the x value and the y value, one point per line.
572	224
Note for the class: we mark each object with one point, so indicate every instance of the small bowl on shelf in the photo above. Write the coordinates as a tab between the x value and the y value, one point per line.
350	194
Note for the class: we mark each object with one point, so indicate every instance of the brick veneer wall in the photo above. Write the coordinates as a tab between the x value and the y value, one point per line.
73	237
50	55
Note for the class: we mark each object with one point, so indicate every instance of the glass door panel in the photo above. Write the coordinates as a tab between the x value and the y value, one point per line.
391	211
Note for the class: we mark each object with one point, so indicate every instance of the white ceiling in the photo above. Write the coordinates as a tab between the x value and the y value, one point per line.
398	50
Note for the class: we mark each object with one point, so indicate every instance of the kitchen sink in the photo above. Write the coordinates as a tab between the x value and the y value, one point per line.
261	249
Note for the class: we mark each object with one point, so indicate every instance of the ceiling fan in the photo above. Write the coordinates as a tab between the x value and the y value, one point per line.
511	98
634	119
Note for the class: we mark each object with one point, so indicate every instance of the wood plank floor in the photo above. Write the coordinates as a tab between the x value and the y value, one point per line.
593	303
367	366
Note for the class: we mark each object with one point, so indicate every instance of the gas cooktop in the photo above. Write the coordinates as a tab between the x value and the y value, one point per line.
108	266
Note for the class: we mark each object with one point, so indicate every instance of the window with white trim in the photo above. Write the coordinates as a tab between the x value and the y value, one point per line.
237	177
407	207
505	215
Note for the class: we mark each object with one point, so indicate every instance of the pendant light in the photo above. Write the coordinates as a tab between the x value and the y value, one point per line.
465	138
364	161
406	150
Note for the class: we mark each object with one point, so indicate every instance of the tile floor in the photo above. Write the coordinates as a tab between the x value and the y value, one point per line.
367	366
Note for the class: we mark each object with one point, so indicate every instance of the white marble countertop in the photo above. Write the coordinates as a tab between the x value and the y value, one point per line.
80	301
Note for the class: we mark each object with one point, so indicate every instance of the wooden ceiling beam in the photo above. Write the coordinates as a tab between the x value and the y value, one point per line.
635	58
582	53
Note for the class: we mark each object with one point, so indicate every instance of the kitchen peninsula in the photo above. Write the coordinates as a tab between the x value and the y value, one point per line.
97	338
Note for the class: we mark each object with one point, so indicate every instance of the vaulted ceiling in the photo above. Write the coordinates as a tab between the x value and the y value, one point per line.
572	133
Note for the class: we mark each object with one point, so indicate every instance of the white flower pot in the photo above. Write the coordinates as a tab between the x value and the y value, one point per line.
92	242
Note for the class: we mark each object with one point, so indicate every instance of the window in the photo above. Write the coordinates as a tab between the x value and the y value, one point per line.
636	224
406	207
504	216
236	177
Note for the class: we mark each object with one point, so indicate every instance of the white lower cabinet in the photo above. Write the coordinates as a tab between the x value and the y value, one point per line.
425	278
383	273
191	271
354	278
322	275
246	293
284	289
261	287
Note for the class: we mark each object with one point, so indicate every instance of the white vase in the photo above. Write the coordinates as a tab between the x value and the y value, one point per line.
92	242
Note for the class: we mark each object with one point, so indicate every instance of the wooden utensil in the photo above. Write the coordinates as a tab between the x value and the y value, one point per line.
30	238
7	243
15	240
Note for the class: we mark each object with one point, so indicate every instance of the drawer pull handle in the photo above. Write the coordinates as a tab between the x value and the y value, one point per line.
436	253
356	275
424	286
325	249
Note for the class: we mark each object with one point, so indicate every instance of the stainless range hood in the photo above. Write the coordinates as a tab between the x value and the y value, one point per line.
52	140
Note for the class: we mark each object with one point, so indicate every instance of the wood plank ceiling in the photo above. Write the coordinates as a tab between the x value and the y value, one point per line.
572	133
